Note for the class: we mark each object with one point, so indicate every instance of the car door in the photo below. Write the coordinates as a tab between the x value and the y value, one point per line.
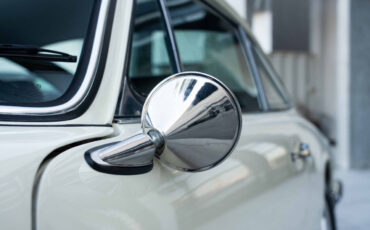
311	139
260	186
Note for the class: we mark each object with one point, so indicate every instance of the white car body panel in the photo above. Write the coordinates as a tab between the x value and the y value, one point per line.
254	188
257	187
21	153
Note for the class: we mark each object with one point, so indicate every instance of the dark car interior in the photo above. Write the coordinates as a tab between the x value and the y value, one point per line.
38	23
206	44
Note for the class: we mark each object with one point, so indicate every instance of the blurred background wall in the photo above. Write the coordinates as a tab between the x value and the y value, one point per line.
321	48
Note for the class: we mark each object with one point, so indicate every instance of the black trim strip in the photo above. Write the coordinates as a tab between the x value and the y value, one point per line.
116	170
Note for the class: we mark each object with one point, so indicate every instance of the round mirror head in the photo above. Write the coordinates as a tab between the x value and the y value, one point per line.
198	117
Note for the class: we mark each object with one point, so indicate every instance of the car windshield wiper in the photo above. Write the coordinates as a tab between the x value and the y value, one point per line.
35	53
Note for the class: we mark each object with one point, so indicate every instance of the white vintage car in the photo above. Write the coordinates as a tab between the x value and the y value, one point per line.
150	114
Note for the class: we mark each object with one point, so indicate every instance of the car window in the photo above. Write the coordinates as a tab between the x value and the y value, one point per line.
54	25
150	61
274	90
208	43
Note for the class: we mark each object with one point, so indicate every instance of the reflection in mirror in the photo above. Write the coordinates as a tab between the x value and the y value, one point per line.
198	118
191	122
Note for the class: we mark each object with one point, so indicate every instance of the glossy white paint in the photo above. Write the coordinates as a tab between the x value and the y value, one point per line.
21	153
102	109
258	187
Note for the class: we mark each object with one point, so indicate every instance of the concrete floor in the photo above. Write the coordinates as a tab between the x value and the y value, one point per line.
353	211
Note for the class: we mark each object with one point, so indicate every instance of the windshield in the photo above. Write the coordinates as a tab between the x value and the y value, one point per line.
48	24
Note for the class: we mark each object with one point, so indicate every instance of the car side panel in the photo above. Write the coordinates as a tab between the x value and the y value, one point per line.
257	187
315	191
22	149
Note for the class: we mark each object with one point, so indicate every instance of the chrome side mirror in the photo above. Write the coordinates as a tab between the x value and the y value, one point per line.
190	121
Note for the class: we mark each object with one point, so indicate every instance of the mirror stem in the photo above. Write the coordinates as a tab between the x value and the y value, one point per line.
135	152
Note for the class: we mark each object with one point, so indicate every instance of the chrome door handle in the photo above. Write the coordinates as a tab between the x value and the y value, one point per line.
303	152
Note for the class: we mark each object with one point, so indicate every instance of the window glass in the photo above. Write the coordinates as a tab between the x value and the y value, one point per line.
274	90
49	24
209	44
150	61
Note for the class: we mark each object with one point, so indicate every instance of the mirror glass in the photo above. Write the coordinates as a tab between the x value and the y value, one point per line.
198	117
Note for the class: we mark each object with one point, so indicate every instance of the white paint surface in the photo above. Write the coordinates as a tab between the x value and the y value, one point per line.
262	29
240	6
258	181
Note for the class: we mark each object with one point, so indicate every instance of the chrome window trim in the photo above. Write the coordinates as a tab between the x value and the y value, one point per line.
86	84
171	35
242	36
246	44
272	75
126	89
